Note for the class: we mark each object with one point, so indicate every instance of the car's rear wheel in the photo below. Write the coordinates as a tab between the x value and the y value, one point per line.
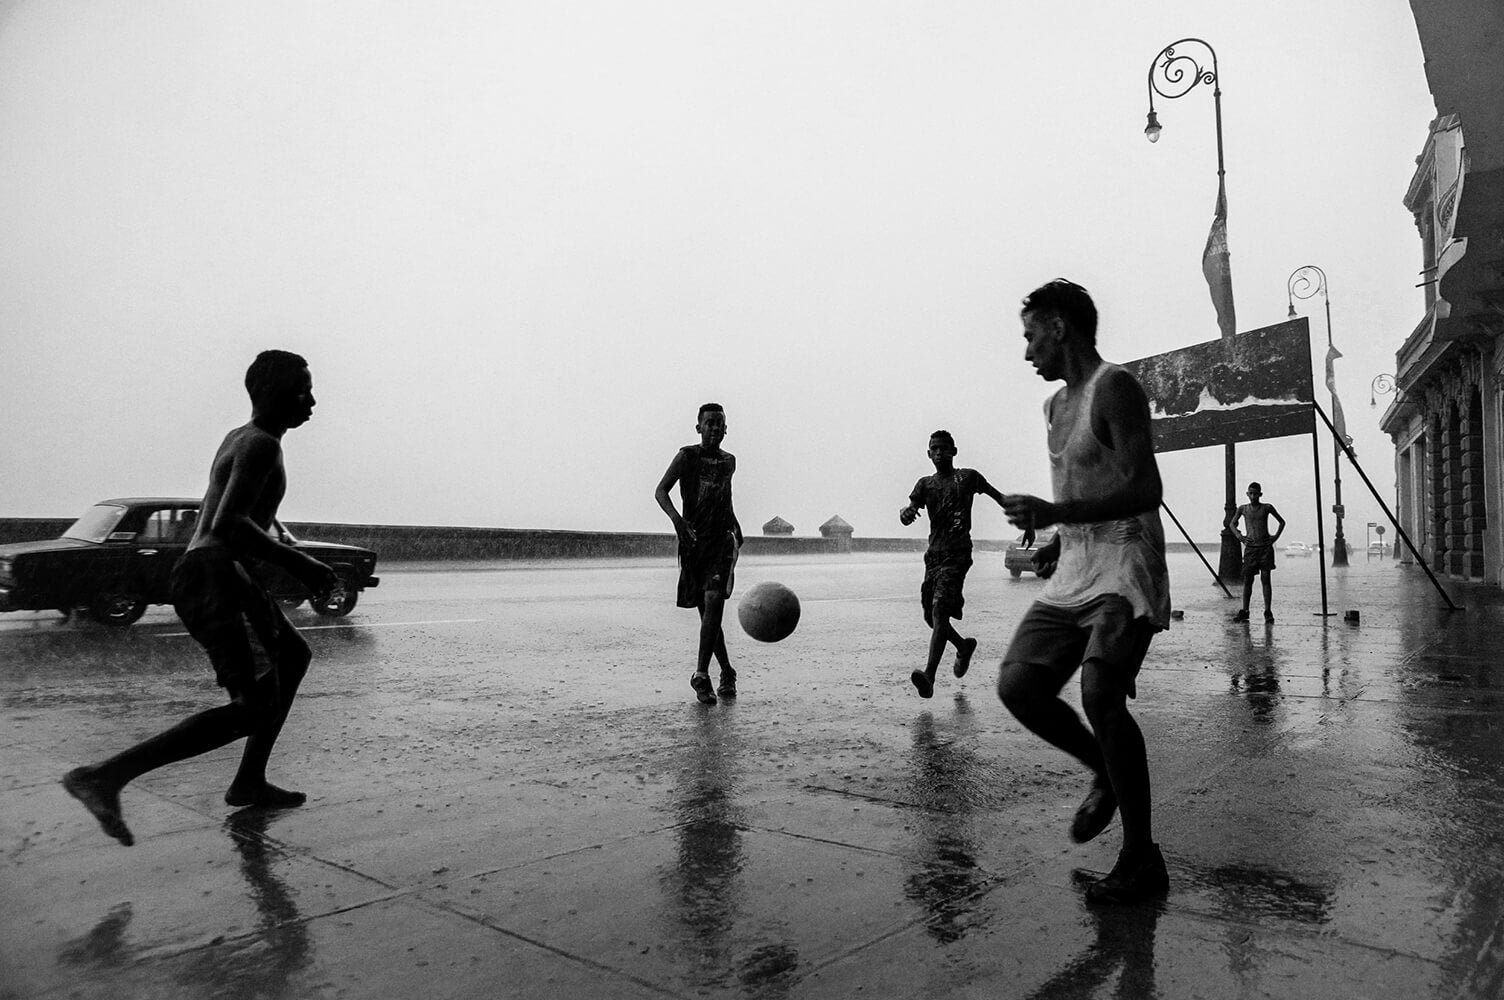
338	602
1016	572
117	603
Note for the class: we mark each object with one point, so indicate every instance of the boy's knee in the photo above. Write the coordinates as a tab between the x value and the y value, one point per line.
1016	686
1101	695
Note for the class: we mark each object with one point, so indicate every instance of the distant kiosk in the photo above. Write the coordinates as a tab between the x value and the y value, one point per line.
838	529
778	526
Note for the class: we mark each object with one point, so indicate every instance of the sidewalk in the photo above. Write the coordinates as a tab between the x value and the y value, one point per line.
516	797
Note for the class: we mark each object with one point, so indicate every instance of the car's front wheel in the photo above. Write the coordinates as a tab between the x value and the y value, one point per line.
117	603
338	602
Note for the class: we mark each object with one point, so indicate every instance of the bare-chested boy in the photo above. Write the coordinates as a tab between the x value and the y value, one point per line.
1258	547
709	539
258	657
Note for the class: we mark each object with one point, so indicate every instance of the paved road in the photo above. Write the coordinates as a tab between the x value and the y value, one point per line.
514	794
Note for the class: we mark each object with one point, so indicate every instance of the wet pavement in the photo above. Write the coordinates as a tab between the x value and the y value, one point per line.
514	794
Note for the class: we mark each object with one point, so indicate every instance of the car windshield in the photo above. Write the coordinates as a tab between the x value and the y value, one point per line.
96	524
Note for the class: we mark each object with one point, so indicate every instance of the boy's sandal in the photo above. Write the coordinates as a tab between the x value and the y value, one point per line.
701	684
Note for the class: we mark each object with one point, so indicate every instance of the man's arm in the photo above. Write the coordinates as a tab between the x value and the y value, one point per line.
1275	514
661	494
253	463
987	489
1232	524
907	514
1119	418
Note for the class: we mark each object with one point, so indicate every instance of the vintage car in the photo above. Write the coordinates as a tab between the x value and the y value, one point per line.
1019	560
1299	549
118	557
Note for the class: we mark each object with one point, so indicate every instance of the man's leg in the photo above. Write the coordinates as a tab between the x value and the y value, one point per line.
1122	745
250	787
98	787
1247	596
1106	683
1264	578
1042	658
712	610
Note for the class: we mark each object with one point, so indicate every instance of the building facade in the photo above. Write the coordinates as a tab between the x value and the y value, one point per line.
1447	415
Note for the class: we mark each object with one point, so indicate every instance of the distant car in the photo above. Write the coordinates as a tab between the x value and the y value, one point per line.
1019	560
1378	548
118	558
1299	549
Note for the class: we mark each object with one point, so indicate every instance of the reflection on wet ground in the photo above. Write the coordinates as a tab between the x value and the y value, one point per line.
515	794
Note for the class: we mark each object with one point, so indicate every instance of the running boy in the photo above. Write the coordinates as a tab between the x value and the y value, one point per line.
258	657
1258	547
947	495
709	539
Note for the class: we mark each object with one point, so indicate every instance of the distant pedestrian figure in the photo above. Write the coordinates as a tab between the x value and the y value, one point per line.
1258	547
947	496
709	540
1108	589
258	657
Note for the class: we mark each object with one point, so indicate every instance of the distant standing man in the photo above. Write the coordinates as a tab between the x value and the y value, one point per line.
258	657
947	495
1258	547
1108	590
709	539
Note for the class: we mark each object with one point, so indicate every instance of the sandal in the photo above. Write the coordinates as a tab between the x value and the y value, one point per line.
701	684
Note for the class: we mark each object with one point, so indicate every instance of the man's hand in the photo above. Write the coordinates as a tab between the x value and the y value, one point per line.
1045	558
906	515
685	532
1028	537
1028	512
317	577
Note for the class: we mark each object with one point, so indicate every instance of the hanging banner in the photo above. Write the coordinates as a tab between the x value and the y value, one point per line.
1253	386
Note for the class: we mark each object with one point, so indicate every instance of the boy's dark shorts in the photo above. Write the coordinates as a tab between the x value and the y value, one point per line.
944	577
242	629
1257	557
707	566
1104	630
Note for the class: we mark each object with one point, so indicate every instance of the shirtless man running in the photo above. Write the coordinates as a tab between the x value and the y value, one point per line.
258	657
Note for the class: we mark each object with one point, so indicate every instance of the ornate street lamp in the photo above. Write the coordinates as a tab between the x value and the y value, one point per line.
1382	385
1175	71
1304	283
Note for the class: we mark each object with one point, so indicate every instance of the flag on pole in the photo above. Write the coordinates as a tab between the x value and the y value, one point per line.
1338	421
1217	268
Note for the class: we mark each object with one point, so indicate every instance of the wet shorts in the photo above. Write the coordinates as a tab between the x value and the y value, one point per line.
242	629
707	567
944	576
1257	557
1103	629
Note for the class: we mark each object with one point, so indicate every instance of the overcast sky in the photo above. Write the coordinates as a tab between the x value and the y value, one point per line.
519	243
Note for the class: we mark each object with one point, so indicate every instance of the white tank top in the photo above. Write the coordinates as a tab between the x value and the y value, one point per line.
1124	557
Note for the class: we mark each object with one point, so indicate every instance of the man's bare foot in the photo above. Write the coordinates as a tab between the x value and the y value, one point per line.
266	795
101	799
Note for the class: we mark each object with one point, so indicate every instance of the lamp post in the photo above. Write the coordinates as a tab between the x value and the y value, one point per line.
1303	283
1174	73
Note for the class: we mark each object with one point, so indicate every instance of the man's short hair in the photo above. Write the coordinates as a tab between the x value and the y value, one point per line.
1255	488
944	436
270	371
708	408
1069	302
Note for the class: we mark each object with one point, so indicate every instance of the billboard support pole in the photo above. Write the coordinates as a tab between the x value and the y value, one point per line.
1320	523
1387	512
1215	575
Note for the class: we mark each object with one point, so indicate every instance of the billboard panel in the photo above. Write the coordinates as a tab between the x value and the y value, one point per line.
1246	388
